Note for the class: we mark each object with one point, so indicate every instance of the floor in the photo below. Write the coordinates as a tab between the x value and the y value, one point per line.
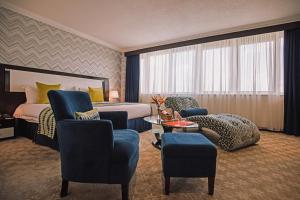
268	170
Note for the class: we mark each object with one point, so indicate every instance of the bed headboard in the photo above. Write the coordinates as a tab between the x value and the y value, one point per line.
9	100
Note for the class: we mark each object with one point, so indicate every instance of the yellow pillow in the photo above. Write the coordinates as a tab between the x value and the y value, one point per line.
96	94
43	90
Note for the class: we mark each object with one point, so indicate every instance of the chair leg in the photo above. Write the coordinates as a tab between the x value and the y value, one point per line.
64	188
211	185
167	185
125	191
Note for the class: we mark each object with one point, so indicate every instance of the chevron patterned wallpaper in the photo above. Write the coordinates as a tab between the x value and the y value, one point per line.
28	42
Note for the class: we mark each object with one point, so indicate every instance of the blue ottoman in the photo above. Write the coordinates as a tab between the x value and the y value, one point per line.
188	155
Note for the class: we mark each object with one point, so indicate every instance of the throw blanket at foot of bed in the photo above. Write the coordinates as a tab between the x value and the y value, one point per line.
235	131
47	123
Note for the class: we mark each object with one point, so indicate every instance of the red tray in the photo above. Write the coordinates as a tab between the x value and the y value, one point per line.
178	123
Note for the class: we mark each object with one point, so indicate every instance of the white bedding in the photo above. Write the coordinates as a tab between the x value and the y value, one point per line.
30	112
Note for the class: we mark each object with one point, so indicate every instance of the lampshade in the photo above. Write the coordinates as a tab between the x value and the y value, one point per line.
114	94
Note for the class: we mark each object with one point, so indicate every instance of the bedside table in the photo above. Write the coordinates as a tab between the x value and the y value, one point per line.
7	128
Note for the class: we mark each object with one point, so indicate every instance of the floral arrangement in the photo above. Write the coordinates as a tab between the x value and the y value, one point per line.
159	101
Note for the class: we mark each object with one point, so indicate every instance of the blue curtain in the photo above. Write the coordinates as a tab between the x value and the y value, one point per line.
132	78
292	82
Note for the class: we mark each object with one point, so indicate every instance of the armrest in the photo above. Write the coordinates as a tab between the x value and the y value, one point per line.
83	145
193	112
118	118
81	131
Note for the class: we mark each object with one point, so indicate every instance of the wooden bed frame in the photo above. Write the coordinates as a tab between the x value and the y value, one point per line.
9	101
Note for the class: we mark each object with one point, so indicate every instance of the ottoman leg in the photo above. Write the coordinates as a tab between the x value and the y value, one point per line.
64	188
167	185
211	185
125	190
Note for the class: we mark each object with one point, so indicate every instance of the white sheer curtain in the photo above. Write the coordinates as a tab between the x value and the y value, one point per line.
243	76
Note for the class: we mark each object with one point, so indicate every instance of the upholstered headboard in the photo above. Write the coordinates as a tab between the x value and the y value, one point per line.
13	78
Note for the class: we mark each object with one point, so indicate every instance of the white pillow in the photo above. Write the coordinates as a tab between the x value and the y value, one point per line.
31	94
83	89
74	88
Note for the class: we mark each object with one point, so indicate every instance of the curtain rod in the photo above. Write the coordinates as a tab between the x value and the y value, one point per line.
267	29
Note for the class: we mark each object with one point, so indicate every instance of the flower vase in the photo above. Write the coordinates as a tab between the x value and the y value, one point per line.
158	114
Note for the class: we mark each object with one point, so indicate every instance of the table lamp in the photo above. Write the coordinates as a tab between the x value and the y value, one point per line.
114	95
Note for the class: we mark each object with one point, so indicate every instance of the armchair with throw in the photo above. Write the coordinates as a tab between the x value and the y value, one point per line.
93	151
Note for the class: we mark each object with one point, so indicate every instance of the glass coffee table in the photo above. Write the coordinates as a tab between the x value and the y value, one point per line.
167	126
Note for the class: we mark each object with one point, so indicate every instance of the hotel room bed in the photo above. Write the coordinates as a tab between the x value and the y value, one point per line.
18	85
27	119
30	112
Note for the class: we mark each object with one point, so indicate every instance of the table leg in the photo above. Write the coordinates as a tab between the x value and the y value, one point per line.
157	143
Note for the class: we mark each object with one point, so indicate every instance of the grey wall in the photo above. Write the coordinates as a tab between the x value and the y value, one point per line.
28	42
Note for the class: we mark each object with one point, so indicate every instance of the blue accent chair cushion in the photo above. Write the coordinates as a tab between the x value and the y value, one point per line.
193	111
125	155
126	143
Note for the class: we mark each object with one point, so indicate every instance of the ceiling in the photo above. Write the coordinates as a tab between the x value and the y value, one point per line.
133	24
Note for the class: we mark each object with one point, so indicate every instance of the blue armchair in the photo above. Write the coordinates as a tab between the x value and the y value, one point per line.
93	151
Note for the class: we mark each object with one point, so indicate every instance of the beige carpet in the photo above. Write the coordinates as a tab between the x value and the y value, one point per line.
269	170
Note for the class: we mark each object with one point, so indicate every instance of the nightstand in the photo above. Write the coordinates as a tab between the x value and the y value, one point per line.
7	128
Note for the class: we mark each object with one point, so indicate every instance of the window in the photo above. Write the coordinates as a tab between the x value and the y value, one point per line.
245	65
216	69
167	72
